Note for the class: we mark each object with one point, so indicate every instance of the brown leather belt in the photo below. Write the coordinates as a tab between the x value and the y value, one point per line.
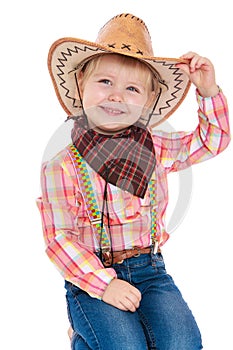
120	256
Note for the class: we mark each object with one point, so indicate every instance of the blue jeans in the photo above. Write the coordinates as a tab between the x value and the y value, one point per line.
162	322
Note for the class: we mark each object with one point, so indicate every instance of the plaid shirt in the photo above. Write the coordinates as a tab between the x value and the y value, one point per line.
68	235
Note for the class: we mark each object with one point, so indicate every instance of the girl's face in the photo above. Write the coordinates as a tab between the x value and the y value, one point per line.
115	94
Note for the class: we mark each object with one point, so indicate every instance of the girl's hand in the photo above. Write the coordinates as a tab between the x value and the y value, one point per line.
201	73
122	295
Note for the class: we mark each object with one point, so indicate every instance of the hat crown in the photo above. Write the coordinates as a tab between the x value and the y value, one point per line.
126	33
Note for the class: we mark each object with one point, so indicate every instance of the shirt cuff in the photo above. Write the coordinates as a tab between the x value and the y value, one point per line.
214	110
199	96
95	283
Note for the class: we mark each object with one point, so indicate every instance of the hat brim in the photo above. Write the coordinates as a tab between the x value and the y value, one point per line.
67	54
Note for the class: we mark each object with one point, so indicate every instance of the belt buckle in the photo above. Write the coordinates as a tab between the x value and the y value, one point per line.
120	262
107	257
138	253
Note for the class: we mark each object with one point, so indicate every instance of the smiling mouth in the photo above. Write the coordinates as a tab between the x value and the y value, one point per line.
112	111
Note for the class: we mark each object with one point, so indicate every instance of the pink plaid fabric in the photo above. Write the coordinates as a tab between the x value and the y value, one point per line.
69	238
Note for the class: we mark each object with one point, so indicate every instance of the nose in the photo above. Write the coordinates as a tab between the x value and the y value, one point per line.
115	95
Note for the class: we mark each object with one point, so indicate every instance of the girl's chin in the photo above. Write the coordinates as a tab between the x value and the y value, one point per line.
114	125
111	129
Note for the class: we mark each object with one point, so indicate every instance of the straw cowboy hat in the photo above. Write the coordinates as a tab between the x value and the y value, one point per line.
124	34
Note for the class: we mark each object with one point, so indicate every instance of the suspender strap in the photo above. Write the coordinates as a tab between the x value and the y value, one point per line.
89	196
91	203
153	199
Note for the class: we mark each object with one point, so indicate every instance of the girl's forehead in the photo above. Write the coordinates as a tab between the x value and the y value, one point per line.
116	64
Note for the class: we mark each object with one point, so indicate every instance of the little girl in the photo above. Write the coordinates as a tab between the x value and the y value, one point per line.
104	196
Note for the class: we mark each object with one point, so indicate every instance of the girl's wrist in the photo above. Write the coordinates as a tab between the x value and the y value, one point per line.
209	92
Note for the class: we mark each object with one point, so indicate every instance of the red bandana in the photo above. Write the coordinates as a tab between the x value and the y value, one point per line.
125	160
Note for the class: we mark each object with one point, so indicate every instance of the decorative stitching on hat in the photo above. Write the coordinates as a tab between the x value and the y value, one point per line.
126	46
132	17
64	55
179	81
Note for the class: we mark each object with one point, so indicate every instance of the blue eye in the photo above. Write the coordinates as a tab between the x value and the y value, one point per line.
133	89
105	81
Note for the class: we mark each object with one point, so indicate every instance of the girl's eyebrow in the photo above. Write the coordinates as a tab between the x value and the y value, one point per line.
103	74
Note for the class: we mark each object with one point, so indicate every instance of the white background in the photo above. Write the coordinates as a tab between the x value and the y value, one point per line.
199	253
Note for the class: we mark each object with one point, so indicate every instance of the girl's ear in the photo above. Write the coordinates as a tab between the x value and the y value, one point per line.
150	101
148	105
